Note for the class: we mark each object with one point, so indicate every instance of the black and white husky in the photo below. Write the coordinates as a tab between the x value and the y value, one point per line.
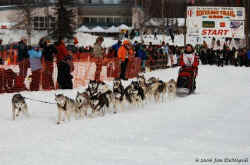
18	106
83	103
134	93
93	88
66	106
118	93
100	96
149	87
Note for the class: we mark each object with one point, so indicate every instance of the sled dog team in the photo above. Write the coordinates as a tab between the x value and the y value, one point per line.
99	98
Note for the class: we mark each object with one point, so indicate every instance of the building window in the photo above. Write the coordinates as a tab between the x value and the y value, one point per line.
42	23
109	20
102	20
86	20
93	21
117	21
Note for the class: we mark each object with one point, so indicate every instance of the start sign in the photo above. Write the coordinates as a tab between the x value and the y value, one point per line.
214	32
218	22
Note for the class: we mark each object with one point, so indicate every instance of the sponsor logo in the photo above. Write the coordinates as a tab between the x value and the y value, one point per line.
222	24
240	13
208	24
190	13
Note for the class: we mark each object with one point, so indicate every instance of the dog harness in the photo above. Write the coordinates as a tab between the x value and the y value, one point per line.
62	107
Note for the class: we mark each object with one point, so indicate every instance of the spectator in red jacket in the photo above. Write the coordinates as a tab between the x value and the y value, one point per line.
65	66
62	51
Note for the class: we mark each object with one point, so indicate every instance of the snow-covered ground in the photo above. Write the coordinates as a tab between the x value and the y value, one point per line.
212	123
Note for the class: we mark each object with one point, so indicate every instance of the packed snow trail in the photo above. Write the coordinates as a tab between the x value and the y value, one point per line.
212	123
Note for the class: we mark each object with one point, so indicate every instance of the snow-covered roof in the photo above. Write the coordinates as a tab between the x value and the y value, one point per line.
83	29
112	29
123	27
97	29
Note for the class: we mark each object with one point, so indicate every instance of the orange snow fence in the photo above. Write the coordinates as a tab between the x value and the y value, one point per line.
84	71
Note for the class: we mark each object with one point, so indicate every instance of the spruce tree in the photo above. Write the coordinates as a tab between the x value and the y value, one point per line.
64	25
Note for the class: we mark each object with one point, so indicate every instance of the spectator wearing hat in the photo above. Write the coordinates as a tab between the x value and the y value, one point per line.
35	55
98	52
124	53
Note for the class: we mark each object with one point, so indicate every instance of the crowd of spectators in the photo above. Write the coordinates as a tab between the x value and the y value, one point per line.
151	56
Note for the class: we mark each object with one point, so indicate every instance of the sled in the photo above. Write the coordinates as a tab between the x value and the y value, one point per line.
186	81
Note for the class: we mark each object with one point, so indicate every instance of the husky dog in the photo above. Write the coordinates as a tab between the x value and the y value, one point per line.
100	96
145	86
67	106
18	105
83	103
141	80
171	89
103	87
137	87
93	88
152	80
134	93
161	91
149	87
156	88
93	93
128	92
103	101
118	92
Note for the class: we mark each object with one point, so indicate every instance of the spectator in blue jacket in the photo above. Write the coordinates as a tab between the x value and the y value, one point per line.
142	55
116	47
35	55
